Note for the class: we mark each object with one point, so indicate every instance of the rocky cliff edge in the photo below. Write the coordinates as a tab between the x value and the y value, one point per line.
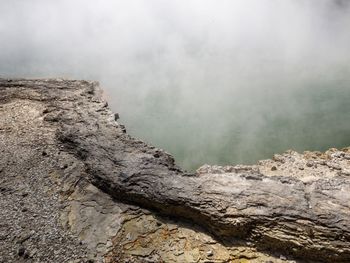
75	187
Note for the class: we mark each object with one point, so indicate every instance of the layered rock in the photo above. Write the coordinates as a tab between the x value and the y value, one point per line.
75	187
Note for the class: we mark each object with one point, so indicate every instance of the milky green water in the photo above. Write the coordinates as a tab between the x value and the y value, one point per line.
246	128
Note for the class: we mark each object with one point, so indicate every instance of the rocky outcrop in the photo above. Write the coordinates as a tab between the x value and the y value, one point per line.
76	187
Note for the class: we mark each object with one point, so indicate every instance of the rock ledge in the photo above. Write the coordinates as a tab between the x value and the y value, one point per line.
75	187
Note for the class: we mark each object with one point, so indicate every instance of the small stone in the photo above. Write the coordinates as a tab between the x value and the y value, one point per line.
278	158
210	253
283	257
176	252
65	166
21	251
309	164
122	127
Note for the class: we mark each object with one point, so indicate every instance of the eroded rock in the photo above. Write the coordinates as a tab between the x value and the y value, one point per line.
220	214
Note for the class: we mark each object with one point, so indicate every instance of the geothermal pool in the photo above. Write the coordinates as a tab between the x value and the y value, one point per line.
245	128
217	82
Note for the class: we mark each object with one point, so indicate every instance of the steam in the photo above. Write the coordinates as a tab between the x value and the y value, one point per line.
223	82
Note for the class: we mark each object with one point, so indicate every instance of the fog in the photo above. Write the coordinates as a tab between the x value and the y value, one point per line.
225	82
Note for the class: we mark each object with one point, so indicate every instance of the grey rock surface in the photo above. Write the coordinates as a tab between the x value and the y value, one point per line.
67	164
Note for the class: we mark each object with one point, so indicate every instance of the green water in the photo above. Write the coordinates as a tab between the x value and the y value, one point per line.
254	125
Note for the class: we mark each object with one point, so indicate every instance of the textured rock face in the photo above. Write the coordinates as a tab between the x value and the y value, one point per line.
74	187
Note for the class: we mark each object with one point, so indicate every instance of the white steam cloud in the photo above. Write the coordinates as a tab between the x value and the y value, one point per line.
209	81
